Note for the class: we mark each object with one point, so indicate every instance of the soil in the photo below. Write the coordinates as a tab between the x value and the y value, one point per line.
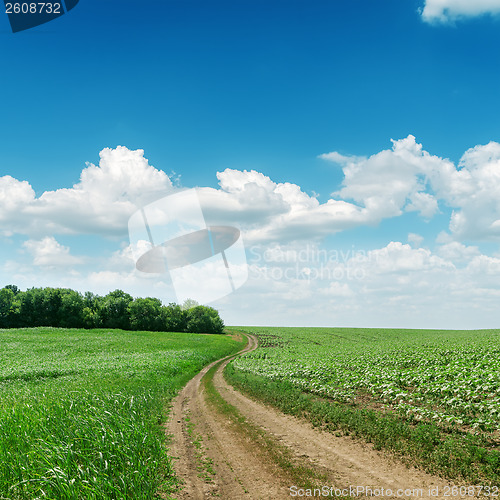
212	459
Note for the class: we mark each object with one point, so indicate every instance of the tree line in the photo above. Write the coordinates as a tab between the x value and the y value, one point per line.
66	308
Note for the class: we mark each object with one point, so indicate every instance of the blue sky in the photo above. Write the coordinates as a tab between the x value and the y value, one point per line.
267	86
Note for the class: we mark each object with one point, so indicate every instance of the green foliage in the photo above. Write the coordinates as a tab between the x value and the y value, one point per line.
62	307
81	410
114	310
6	306
174	318
188	304
14	288
448	377
70	313
145	314
425	393
204	319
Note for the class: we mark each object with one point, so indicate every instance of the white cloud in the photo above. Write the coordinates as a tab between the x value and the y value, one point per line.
449	10
457	252
244	197
270	211
48	252
387	184
415	240
483	265
397	257
424	203
336	289
14	197
392	286
341	159
400	284
408	178
100	203
476	196
391	181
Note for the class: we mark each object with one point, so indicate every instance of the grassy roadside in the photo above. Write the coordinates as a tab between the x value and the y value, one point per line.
81	411
456	455
293	470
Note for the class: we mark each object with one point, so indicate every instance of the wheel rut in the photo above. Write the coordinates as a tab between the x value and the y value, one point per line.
213	459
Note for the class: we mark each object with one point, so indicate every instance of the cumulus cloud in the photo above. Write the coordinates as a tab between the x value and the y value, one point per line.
386	184
478	205
408	178
392	181
391	286
449	10
49	252
415	240
485	265
270	211
14	197
397	257
100	203
457	252
244	197
291	278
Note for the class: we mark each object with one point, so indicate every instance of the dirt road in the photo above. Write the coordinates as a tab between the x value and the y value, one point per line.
215	459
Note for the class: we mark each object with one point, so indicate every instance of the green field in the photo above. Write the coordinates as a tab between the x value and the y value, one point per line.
430	395
81	410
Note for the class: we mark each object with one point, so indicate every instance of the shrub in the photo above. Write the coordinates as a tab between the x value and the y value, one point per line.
203	319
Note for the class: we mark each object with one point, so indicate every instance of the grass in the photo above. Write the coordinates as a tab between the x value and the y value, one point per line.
205	464
342	380
81	410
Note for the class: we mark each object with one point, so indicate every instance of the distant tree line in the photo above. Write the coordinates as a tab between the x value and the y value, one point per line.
63	307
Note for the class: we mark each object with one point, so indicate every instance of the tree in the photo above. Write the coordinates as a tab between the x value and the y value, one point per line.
29	308
114	312
71	310
14	288
51	304
203	319
6	307
145	314
188	304
91	313
66	308
173	318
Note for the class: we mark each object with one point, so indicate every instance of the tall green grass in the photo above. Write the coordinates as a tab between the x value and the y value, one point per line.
81	411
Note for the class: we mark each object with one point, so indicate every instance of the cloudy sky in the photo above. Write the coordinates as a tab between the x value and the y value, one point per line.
355	144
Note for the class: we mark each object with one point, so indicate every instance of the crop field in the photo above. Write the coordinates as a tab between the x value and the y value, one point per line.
440	389
80	410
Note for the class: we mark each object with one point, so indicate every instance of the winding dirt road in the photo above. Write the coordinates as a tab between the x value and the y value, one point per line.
214	459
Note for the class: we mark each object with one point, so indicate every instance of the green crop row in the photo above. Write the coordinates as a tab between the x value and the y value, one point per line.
449	380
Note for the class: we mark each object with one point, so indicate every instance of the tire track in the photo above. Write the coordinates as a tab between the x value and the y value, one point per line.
243	473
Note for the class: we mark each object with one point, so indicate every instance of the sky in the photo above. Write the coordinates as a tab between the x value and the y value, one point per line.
354	143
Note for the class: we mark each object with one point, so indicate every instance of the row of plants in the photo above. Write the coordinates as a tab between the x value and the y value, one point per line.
432	396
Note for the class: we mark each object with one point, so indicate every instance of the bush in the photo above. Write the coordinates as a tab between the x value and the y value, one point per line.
203	319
